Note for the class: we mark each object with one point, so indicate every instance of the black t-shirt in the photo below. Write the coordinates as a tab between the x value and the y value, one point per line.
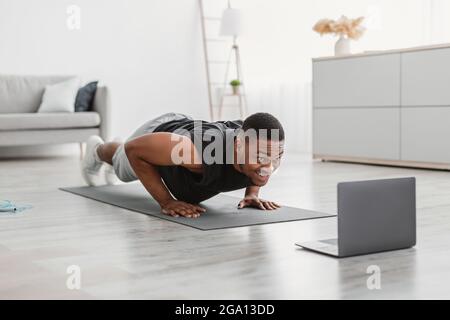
217	176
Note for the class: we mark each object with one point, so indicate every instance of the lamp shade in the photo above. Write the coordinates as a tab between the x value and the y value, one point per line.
231	23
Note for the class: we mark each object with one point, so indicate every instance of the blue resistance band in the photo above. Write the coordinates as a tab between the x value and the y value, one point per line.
7	206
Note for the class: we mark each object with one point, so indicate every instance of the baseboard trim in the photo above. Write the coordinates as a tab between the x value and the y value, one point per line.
385	162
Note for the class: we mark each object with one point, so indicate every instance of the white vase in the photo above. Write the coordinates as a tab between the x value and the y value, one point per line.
342	46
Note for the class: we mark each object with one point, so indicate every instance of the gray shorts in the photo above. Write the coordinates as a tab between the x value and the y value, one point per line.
121	165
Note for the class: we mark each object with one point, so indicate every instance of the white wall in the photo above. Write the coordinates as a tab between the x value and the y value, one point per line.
279	44
148	51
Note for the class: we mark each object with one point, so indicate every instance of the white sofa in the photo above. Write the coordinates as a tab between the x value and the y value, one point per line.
20	124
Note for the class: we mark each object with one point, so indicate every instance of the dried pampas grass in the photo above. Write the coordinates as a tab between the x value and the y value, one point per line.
352	28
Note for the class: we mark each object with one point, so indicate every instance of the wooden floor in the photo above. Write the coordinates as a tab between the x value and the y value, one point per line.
123	254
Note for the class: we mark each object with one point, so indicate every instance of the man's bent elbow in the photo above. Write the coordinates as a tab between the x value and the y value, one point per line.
130	149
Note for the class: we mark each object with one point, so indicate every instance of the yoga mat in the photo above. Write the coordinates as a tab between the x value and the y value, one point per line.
221	210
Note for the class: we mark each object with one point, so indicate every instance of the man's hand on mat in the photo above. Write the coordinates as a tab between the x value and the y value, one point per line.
177	208
255	202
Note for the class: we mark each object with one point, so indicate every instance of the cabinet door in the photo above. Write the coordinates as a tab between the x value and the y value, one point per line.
357	132
357	82
426	134
426	78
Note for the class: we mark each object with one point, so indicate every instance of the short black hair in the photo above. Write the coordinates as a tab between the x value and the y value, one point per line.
264	120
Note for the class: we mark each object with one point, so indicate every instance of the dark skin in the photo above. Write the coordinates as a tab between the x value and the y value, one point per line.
155	149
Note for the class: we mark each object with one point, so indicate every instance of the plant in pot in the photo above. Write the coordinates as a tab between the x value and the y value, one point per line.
235	84
347	29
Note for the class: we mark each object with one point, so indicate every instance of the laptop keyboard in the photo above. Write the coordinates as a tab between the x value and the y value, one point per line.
329	241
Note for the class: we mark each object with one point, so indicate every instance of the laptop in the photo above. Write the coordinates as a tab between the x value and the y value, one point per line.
373	216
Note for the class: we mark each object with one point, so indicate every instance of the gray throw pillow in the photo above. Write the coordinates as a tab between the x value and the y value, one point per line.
85	97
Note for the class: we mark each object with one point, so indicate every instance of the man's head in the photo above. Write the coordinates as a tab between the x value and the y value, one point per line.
259	147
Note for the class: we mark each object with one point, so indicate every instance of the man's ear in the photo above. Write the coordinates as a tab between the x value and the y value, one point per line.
240	154
238	143
239	140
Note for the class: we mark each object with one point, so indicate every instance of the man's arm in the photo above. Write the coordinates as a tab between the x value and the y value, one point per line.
252	191
155	149
251	199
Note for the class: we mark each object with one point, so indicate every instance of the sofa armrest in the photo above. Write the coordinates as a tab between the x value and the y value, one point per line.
102	105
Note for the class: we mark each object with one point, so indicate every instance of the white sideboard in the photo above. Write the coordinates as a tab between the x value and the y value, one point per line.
386	107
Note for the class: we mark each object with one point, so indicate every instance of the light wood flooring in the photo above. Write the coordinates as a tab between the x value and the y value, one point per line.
128	255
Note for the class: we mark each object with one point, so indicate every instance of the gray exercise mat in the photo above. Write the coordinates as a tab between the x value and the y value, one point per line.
221	211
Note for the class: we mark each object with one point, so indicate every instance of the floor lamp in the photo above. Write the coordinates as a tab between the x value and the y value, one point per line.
231	26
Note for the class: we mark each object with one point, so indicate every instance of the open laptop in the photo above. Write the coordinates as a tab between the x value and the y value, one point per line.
373	216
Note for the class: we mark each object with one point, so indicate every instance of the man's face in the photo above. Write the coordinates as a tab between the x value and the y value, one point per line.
262	158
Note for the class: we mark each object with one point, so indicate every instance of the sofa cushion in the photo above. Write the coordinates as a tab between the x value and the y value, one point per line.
85	97
20	94
28	121
60	97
